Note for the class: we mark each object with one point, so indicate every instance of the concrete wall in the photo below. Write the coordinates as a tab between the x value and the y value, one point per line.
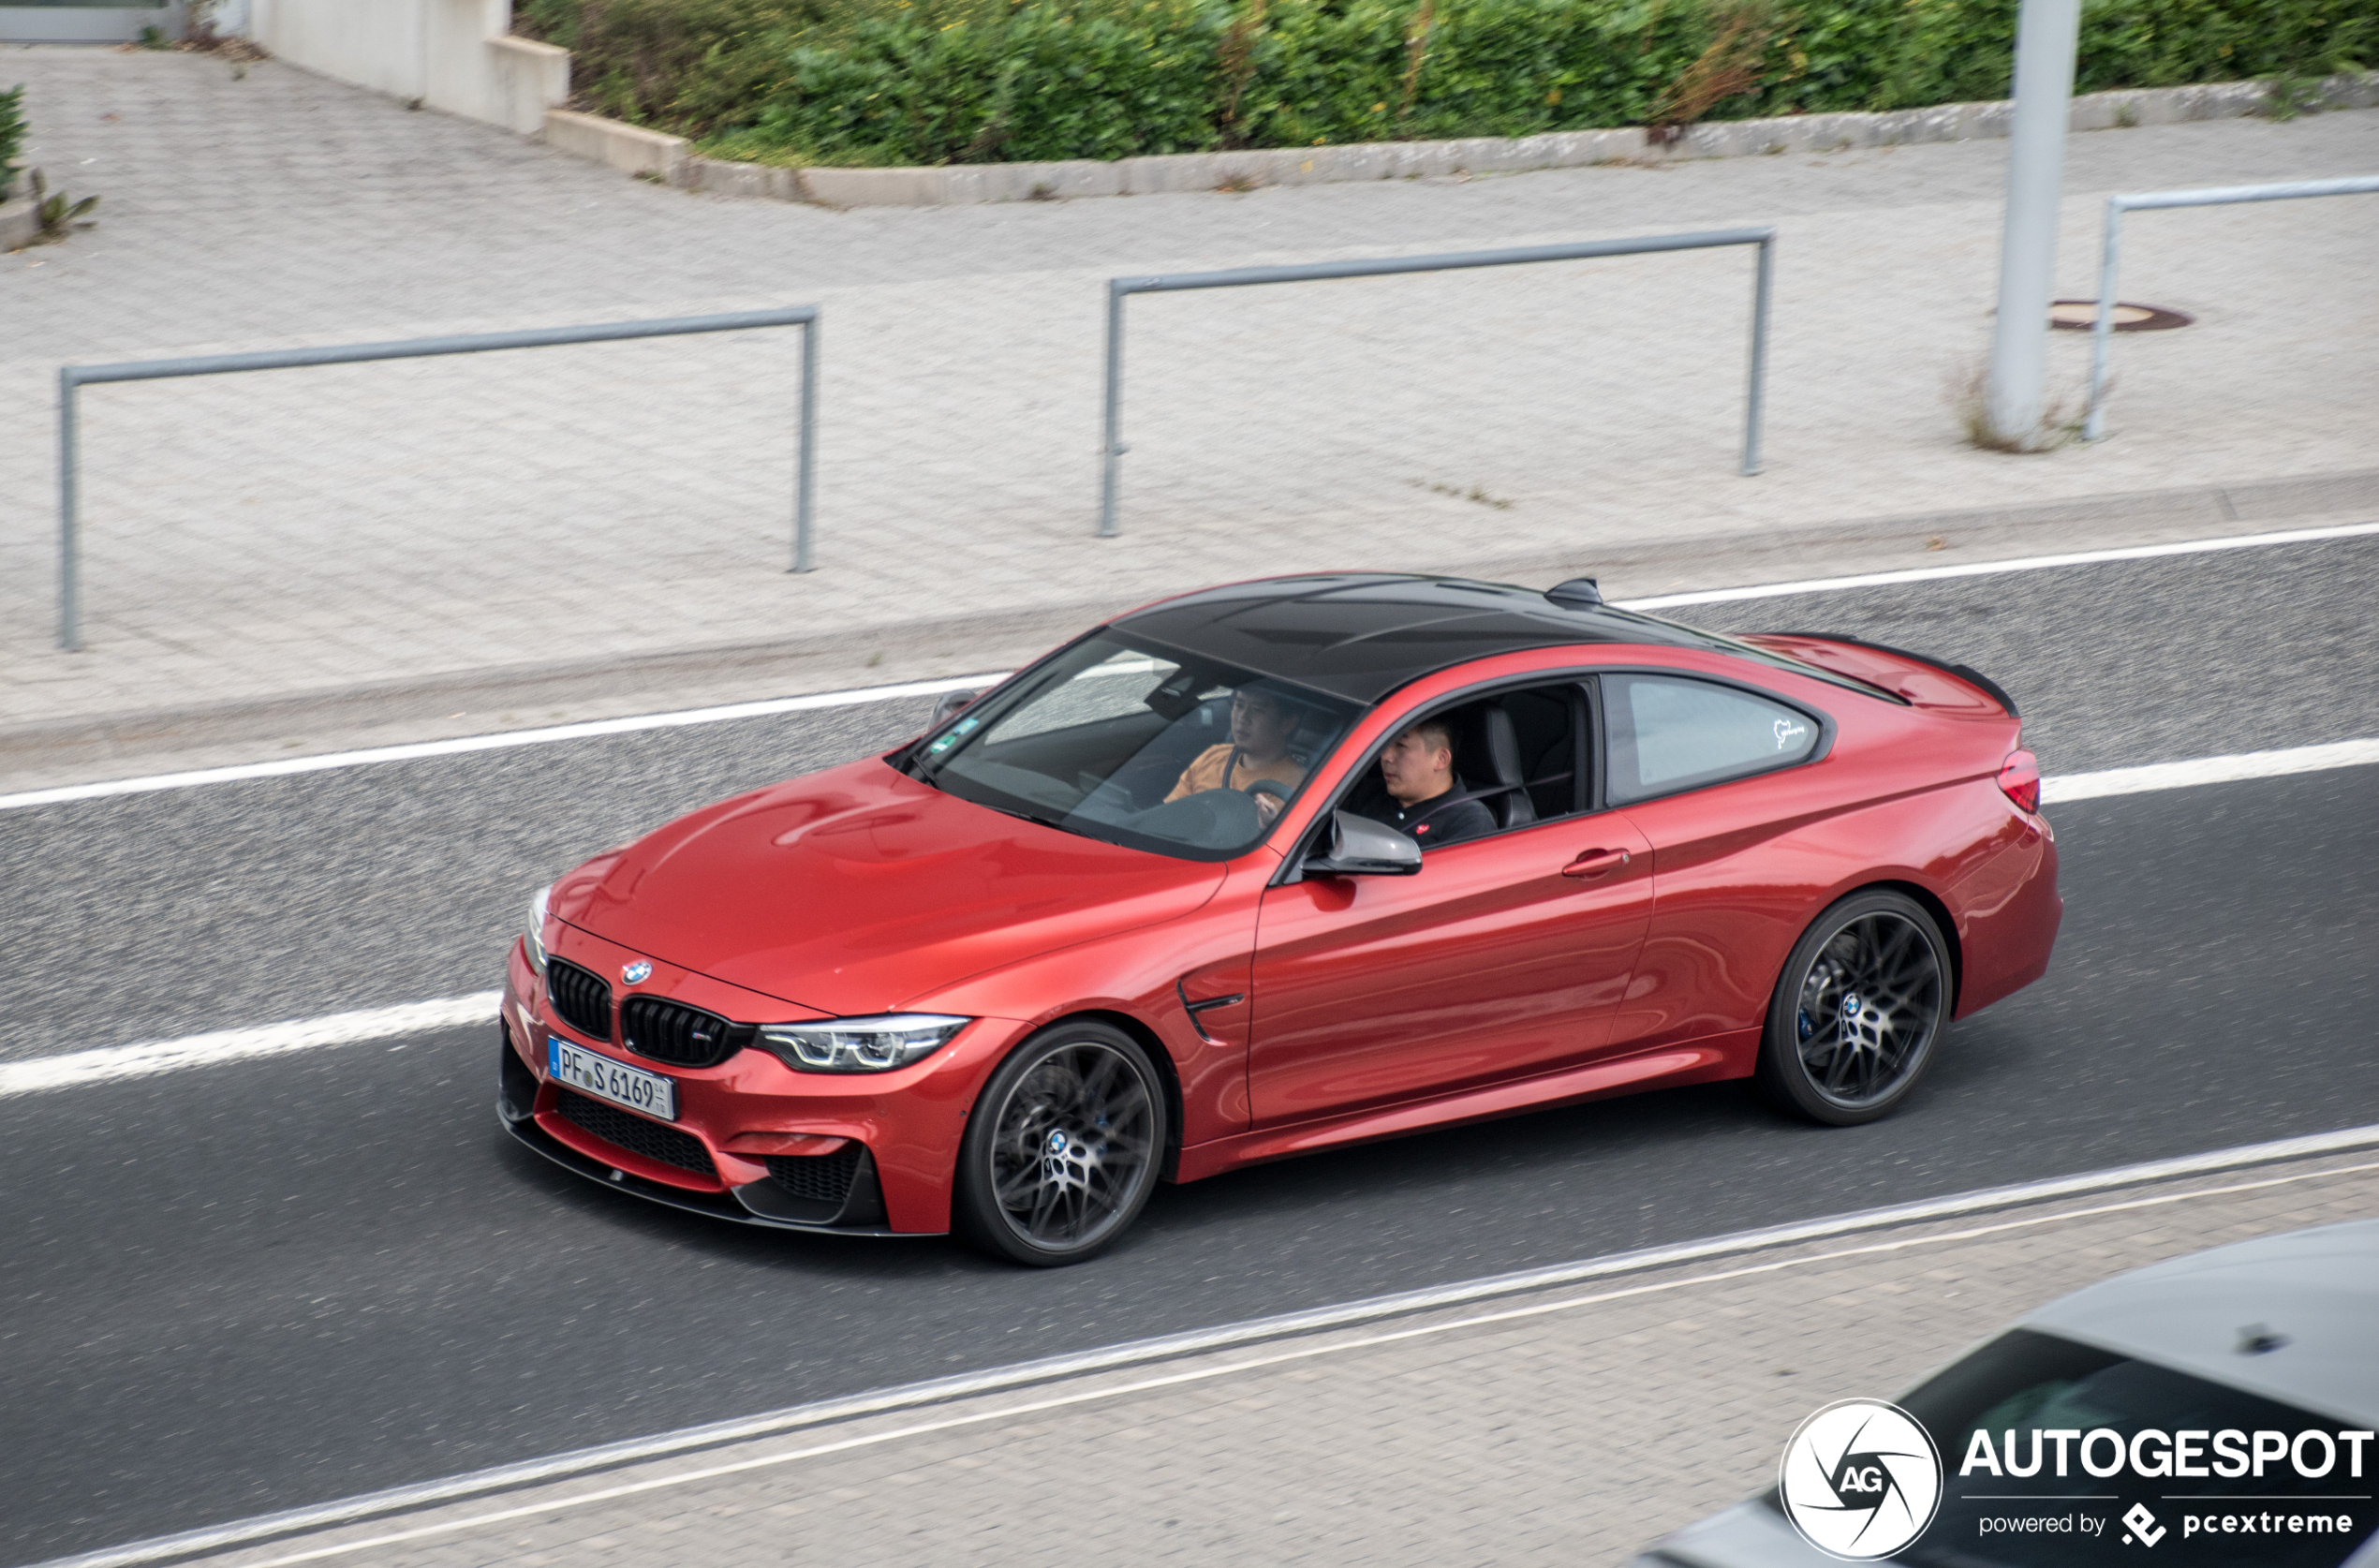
452	54
86	25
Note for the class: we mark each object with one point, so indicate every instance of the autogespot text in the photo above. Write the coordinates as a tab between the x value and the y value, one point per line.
2228	1455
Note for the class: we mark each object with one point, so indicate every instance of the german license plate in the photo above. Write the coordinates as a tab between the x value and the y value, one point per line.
606	1079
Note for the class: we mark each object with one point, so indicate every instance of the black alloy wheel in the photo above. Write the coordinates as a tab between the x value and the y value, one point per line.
1063	1148
1861	1004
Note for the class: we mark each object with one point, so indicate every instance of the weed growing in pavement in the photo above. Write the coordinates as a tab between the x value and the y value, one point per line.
60	215
2060	414
2286	95
1477	494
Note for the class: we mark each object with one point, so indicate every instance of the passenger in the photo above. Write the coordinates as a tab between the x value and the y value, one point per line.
1262	727
1418	769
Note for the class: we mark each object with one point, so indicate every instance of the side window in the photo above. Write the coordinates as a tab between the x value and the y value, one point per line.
1514	754
1669	733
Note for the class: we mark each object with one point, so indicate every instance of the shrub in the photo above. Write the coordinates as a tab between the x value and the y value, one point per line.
12	131
959	81
1024	84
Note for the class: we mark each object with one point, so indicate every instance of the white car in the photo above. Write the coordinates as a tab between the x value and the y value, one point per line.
2215	1409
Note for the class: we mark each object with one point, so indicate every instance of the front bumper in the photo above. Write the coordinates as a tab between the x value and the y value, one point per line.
859	1215
743	1122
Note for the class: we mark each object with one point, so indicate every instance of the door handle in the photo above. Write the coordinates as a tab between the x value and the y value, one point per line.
1596	862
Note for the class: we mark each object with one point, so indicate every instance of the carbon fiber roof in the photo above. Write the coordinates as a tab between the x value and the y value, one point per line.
1363	635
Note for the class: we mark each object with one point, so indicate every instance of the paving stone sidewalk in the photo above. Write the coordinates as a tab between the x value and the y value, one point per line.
1569	1426
258	537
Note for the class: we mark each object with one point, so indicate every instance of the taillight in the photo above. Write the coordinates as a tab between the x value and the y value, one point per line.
2019	779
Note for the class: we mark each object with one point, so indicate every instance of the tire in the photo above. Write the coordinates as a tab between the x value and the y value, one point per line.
1861	1005
1063	1148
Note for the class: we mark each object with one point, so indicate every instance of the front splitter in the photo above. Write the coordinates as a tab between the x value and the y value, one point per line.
717	1206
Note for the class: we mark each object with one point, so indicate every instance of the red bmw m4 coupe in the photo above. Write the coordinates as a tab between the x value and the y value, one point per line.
1276	866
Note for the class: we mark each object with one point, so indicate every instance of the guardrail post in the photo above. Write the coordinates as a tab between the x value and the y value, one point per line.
1110	448
806	479
1756	404
70	534
2102	330
72	376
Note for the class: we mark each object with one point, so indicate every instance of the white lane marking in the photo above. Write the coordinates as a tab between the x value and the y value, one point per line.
959	683
380	1023
1992	569
266	1039
2210	770
945	1390
503	741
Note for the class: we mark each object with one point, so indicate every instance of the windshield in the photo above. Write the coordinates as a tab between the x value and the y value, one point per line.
1140	744
2042	1438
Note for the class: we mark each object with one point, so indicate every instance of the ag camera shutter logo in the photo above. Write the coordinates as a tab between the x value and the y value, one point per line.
1860	1480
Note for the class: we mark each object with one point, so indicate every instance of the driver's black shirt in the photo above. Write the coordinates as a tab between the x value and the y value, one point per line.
1431	823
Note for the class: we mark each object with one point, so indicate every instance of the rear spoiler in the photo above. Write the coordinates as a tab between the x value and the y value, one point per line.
1966	673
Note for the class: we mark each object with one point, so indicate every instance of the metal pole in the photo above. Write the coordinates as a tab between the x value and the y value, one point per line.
1110	448
1756	404
806	479
2101	331
69	545
2046	37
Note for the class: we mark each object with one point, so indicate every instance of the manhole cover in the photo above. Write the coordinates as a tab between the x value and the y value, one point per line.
2080	315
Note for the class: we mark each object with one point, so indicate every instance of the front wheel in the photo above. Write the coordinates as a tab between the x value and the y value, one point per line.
1861	1004
1062	1150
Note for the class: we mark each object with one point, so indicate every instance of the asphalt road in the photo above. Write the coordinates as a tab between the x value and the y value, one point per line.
253	1286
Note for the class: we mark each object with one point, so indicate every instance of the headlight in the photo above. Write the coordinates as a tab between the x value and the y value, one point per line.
861	1044
536	936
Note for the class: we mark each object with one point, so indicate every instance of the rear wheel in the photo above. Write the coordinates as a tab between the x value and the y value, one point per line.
1861	1004
1062	1150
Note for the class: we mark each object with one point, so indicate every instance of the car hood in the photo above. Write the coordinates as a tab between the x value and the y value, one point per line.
861	890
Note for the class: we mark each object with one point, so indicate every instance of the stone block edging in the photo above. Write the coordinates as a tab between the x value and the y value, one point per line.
630	149
956	185
19	221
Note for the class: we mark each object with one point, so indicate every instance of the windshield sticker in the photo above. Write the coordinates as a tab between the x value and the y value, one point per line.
952	736
1787	732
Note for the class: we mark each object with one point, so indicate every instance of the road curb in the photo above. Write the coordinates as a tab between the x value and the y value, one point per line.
421	709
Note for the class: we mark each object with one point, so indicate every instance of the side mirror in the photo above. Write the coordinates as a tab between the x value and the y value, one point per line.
949	706
1360	847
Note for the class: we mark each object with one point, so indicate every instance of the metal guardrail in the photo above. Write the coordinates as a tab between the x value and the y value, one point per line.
1119	288
73	377
2103	327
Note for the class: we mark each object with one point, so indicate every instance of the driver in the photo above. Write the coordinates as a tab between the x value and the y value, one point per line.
1431	805
1262	727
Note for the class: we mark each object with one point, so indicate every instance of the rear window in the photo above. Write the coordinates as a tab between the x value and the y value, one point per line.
1671	732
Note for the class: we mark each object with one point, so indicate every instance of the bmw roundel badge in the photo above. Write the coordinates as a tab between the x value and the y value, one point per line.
636	972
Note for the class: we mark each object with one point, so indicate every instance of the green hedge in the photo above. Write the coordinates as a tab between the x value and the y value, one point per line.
12	132
911	81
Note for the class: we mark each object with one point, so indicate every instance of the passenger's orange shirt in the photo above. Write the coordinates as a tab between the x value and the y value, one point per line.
1204	772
